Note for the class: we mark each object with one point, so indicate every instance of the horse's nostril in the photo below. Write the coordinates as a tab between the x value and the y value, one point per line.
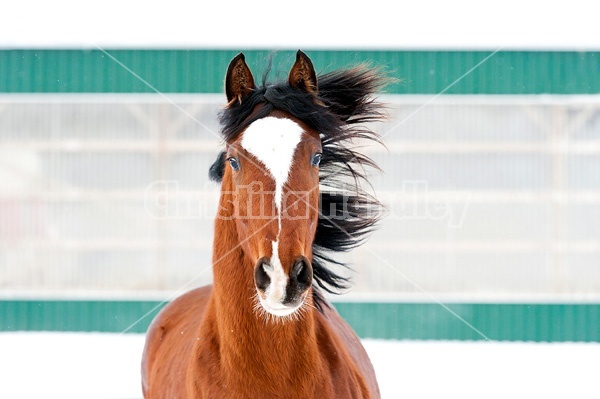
261	278
302	273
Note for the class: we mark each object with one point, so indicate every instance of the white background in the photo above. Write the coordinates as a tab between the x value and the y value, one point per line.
509	24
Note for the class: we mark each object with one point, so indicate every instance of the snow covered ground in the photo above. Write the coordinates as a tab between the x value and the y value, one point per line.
93	365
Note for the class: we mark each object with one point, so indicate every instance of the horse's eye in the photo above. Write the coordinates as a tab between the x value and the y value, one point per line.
316	159
235	165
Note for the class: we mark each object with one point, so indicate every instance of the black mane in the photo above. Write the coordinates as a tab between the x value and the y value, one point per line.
347	213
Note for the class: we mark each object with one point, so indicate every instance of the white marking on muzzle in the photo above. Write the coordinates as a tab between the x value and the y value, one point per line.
276	291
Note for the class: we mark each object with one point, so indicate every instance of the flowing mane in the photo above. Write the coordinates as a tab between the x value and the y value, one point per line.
340	112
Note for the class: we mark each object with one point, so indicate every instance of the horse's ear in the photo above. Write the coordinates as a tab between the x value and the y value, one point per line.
302	74
239	81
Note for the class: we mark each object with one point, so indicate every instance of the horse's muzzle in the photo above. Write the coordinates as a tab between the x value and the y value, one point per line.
282	294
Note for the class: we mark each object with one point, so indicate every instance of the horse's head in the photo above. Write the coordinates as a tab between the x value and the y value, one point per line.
291	209
272	173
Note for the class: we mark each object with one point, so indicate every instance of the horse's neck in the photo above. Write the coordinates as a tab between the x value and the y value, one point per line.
242	333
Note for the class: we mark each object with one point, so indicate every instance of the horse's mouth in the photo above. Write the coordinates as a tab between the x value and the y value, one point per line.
279	309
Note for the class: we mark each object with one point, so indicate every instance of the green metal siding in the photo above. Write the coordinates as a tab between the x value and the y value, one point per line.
202	71
501	322
413	321
77	315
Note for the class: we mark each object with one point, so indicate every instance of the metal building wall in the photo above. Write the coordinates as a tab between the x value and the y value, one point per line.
202	71
491	198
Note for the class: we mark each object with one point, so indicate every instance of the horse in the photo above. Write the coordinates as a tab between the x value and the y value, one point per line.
291	196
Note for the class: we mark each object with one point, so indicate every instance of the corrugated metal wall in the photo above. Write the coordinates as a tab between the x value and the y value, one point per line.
416	321
202	71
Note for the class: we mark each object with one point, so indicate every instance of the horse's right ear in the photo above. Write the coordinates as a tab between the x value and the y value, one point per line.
239	81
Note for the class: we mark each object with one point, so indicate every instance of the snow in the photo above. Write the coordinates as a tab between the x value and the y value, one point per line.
237	24
95	365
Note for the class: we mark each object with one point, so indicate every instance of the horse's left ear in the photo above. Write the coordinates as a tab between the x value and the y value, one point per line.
238	81
302	74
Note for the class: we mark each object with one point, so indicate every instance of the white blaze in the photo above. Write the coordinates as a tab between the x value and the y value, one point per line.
273	142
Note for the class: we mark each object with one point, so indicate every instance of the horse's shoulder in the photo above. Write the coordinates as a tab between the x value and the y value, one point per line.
342	339
331	319
175	312
178	319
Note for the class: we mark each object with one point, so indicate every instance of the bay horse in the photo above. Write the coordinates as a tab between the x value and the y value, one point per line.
264	328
